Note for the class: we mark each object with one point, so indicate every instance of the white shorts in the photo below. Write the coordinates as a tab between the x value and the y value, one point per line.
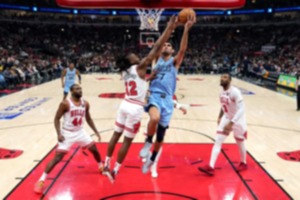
129	118
74	137
239	129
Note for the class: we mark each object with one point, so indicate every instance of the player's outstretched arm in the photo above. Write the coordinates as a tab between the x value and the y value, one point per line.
62	109
184	42
90	121
63	74
172	24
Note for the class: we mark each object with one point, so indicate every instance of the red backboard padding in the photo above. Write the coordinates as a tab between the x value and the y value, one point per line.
171	4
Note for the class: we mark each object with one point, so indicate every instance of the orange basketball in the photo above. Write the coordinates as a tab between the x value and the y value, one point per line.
184	14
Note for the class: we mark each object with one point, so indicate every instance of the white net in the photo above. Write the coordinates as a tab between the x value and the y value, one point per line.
149	18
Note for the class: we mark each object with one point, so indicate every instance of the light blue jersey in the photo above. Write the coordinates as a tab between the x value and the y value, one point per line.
162	89
69	79
166	77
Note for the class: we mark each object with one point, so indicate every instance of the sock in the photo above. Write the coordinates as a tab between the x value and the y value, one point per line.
153	156
117	167
43	177
107	161
243	151
100	164
216	149
149	138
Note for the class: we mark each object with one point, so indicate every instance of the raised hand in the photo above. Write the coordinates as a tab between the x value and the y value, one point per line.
173	22
190	22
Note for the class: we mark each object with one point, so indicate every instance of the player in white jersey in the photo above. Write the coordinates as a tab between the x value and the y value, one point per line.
74	110
68	78
231	118
131	109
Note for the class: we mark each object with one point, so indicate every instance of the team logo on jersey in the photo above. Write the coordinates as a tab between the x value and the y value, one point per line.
128	76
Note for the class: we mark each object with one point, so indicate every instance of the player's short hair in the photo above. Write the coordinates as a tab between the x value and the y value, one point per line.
228	73
171	43
72	61
122	62
72	86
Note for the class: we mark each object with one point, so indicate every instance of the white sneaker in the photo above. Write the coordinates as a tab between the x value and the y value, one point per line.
145	150
147	164
154	173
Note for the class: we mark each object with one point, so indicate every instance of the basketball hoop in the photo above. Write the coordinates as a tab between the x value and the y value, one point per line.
149	18
150	42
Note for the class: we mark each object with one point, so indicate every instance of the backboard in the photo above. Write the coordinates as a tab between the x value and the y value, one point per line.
166	4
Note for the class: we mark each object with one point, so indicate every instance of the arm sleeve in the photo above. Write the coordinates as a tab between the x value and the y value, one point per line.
240	106
240	111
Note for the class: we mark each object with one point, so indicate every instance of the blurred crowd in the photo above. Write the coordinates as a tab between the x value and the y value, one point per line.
31	52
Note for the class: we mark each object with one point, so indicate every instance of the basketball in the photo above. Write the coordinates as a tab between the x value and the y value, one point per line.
184	14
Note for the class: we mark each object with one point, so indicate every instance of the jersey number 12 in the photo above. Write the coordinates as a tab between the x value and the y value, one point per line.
131	88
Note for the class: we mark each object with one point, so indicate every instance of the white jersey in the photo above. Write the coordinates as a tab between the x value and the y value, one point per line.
74	118
136	87
229	100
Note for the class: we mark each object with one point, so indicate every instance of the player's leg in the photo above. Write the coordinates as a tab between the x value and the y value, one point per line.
154	110
219	140
62	149
121	156
66	91
132	126
165	117
93	149
151	129
111	147
85	141
119	127
240	135
65	95
154	173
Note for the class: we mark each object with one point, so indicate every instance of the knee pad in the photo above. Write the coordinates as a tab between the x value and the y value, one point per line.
160	133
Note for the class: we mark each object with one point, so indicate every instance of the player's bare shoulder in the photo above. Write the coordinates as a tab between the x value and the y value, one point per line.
65	105
86	104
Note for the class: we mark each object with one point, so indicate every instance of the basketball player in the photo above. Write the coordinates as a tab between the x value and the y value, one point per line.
183	109
131	109
162	88
231	118
68	78
74	110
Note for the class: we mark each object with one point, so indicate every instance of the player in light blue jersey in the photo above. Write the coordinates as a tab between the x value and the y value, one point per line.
68	78
162	88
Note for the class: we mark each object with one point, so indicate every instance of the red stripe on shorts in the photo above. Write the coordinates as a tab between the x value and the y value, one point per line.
222	133
119	125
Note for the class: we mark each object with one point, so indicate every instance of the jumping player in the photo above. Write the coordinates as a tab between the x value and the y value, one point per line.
68	78
131	109
154	173
231	118
162	88
74	110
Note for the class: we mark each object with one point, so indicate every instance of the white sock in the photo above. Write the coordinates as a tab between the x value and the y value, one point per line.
216	149
100	164
117	167
243	151
107	161
158	155
43	177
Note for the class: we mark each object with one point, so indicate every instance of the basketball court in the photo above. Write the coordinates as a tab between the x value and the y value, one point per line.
28	137
272	127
